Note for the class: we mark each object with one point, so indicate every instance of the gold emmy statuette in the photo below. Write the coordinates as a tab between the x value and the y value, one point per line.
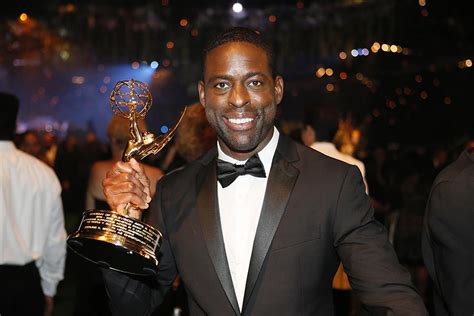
120	240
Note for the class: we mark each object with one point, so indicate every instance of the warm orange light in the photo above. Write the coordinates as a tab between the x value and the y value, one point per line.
272	18
183	22
169	45
70	7
23	17
342	55
343	75
330	87
329	72
375	47
320	72
468	63
194	33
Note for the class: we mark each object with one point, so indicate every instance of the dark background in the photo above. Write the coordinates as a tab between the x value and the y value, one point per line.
418	96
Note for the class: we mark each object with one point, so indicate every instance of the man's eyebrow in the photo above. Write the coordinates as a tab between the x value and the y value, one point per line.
220	77
255	73
229	78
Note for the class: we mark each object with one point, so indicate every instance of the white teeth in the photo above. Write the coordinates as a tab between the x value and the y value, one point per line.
240	120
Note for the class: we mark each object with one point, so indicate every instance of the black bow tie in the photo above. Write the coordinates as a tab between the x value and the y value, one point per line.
228	172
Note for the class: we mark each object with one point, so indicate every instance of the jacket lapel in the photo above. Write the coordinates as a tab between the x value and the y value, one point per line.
280	184
208	212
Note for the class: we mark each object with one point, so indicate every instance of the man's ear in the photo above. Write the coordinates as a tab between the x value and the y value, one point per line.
279	87
202	93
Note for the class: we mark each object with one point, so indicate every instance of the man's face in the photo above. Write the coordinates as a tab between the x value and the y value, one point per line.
240	97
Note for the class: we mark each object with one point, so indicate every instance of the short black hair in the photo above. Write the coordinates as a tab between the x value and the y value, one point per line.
240	34
9	105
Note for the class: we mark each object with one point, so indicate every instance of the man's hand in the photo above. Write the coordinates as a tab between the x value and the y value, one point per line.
127	183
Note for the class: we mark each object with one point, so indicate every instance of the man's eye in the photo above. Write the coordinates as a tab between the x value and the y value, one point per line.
255	83
222	85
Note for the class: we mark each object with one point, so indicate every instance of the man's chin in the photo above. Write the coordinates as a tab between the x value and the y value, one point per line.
241	146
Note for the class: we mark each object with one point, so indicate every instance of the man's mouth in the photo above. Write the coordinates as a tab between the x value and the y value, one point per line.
240	123
240	120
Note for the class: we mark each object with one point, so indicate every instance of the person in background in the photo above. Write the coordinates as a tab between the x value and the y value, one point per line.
32	233
29	142
51	147
325	125
448	237
193	139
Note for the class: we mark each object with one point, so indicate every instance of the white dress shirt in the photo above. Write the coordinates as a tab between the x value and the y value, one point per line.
240	205
31	216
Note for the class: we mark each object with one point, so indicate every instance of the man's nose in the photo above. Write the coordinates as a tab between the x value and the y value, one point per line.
239	96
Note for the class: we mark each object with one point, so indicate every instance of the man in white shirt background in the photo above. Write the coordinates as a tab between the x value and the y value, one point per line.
325	124
32	234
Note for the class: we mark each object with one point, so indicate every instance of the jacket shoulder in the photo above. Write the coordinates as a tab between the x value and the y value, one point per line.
182	175
454	170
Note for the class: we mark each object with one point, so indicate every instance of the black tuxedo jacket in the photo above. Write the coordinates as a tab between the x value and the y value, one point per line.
315	213
448	237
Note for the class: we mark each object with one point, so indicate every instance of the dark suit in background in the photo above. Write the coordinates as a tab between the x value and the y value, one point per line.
448	238
315	213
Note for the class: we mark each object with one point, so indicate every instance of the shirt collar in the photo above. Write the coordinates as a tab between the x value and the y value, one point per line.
265	155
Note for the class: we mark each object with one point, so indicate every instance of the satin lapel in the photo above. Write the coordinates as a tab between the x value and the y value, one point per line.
208	213
279	187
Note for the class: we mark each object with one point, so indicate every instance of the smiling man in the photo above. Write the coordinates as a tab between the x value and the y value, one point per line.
259	224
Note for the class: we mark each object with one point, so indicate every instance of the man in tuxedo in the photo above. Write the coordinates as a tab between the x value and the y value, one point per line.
259	224
448	237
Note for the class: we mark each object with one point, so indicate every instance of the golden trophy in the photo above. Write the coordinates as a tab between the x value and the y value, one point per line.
120	240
